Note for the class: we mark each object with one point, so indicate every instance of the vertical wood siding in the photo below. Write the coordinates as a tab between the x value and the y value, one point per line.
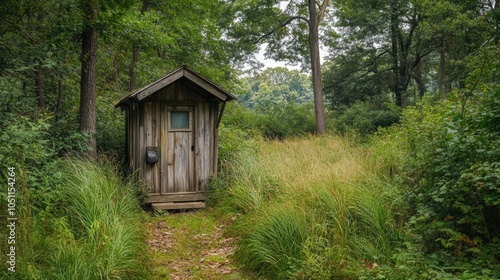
179	169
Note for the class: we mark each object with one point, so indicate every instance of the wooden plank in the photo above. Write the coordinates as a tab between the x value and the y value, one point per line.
148	142
130	142
206	85
141	143
163	149
199	140
177	197
213	131
207	153
204	146
156	143
158	85
181	161
191	165
178	206
133	136
170	162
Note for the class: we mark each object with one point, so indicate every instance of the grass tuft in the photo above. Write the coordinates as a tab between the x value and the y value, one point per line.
314	207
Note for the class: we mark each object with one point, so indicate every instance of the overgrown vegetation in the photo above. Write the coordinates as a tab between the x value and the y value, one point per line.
450	174
320	207
81	222
419	200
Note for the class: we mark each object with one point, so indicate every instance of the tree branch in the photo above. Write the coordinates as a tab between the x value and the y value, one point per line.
360	67
419	57
280	26
26	34
323	10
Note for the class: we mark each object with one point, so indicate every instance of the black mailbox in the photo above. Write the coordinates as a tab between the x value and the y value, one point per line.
152	155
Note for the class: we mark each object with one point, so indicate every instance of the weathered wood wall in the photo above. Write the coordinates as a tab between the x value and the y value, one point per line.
147	126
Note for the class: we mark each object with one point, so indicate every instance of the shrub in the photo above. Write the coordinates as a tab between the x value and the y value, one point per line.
451	175
366	117
274	121
288	120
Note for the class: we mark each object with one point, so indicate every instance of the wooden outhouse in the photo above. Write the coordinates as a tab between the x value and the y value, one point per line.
172	137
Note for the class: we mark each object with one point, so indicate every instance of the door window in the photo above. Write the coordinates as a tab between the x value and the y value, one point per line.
179	120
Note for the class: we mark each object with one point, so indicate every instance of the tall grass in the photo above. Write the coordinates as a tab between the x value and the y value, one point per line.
315	208
86	227
105	216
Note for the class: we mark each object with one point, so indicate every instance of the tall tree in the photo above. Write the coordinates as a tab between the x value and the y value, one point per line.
426	41
87	118
135	53
291	33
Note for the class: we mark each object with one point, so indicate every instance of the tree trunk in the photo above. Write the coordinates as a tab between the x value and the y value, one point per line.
39	86
316	68
135	59
419	80
442	69
39	93
395	53
135	53
418	75
496	19
87	119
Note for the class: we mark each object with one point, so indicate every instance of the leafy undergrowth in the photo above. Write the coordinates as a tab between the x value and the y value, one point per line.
190	245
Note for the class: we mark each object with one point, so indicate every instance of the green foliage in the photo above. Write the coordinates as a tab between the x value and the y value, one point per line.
451	177
86	227
356	76
312	208
249	20
288	120
366	117
104	215
279	121
272	248
110	133
277	104
276	86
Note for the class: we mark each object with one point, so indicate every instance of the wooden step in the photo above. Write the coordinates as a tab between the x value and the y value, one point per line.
176	197
178	205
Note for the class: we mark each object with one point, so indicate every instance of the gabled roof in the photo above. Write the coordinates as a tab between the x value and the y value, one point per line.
183	72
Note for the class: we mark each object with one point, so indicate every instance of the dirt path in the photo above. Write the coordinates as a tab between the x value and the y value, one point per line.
190	245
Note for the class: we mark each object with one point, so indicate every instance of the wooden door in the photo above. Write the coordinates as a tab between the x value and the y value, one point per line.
181	175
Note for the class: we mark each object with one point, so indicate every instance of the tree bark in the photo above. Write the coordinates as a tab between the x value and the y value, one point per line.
496	19
39	86
418	75
395	53
135	59
135	53
319	106
419	80
39	77
87	120
442	69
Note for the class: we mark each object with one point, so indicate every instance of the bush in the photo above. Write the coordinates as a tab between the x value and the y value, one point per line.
288	120
452	176
366	117
274	121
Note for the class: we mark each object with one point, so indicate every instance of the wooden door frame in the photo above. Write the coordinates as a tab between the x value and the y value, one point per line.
191	164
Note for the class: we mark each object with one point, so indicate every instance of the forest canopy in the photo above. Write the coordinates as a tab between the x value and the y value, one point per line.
414	85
